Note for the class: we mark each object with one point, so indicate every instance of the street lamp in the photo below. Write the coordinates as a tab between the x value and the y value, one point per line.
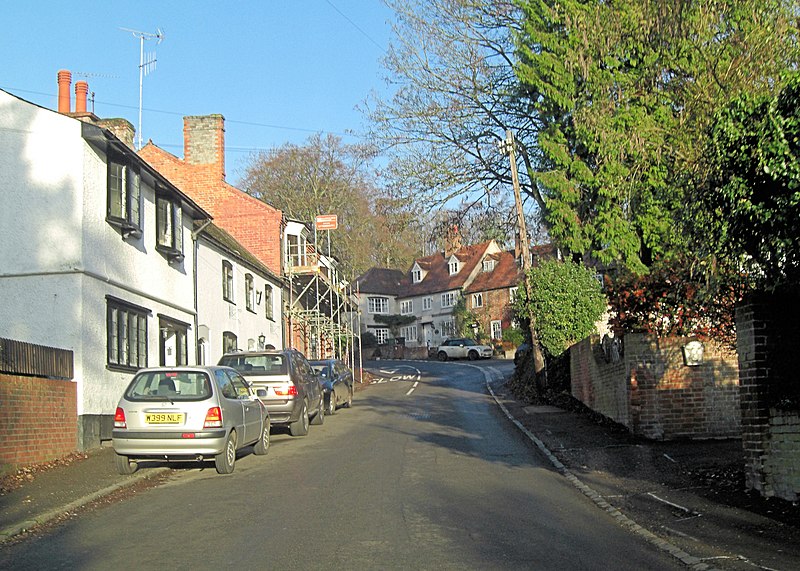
261	341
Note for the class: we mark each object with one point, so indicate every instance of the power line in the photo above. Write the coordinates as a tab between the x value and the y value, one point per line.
13	90
356	26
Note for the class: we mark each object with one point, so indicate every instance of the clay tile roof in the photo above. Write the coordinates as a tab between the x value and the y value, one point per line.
506	273
380	280
438	278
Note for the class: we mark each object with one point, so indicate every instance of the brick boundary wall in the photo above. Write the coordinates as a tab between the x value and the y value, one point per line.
651	392
38	419
768	338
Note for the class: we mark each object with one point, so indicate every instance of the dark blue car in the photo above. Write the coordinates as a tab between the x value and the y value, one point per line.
337	383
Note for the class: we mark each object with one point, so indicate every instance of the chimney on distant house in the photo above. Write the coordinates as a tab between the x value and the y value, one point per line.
204	142
452	241
64	83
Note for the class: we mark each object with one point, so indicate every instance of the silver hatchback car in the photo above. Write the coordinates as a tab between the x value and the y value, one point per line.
188	413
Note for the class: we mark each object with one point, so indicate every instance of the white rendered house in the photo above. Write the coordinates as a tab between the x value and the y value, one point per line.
96	255
239	300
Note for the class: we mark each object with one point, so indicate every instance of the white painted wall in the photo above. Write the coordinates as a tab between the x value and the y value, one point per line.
216	315
59	258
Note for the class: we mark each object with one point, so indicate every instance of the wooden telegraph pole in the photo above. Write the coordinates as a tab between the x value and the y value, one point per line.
508	147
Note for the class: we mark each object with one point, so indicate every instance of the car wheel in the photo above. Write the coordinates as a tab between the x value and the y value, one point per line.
331	408
442	356
226	460
319	418
473	355
124	464
300	426
262	446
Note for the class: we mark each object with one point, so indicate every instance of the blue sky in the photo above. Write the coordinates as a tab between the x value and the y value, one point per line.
278	70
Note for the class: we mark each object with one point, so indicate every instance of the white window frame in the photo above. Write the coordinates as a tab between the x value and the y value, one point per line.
410	332
449	299
407	307
448	327
477	299
488	265
382	334
496	327
378	305
427	303
416	276
452	267
512	292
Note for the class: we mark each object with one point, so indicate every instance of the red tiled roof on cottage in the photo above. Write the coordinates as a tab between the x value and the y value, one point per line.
438	278
505	273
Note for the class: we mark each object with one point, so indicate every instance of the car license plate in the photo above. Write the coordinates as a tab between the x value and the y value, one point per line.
164	418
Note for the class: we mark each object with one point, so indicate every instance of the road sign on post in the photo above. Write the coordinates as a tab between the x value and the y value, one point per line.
327	222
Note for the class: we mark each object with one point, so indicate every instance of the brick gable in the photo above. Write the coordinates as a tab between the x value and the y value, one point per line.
253	223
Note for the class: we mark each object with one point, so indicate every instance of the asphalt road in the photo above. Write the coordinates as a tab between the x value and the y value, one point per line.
424	472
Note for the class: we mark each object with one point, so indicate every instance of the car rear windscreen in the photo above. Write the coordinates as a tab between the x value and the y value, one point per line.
256	364
172	385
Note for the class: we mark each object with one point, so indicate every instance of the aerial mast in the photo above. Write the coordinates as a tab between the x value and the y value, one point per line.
145	67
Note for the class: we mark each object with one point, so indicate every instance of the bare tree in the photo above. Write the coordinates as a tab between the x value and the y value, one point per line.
456	95
326	176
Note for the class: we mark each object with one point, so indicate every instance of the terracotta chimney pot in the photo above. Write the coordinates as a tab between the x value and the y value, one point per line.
81	90
64	82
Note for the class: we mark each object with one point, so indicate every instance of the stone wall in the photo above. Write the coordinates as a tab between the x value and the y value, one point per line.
651	391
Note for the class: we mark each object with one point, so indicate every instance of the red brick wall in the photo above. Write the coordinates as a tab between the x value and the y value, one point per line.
38	419
253	223
654	394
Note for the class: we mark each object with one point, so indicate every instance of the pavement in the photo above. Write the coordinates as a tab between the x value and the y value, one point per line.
685	497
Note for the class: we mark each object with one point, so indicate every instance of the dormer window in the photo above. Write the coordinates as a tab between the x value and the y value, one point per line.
416	276
124	208
452	266
488	265
169	228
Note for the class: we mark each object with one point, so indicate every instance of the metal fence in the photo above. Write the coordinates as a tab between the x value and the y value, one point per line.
20	358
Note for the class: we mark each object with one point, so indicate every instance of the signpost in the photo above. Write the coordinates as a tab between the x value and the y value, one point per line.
327	222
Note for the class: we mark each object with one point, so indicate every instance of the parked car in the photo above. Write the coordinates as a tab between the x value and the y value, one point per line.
337	383
294	396
521	352
188	413
463	348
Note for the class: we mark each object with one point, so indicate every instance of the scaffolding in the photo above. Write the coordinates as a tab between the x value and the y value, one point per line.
322	309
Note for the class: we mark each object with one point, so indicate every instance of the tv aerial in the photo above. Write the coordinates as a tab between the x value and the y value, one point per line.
146	66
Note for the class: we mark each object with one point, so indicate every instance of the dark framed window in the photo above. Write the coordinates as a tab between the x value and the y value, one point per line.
124	208
249	293
173	345
229	342
169	228
227	281
126	330
268	302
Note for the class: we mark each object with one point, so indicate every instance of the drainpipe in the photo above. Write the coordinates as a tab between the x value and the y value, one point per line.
195	234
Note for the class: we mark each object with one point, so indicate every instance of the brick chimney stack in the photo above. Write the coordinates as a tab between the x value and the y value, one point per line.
64	83
204	142
81	91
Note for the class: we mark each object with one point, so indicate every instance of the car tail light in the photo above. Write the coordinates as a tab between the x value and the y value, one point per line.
286	390
213	418
119	418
